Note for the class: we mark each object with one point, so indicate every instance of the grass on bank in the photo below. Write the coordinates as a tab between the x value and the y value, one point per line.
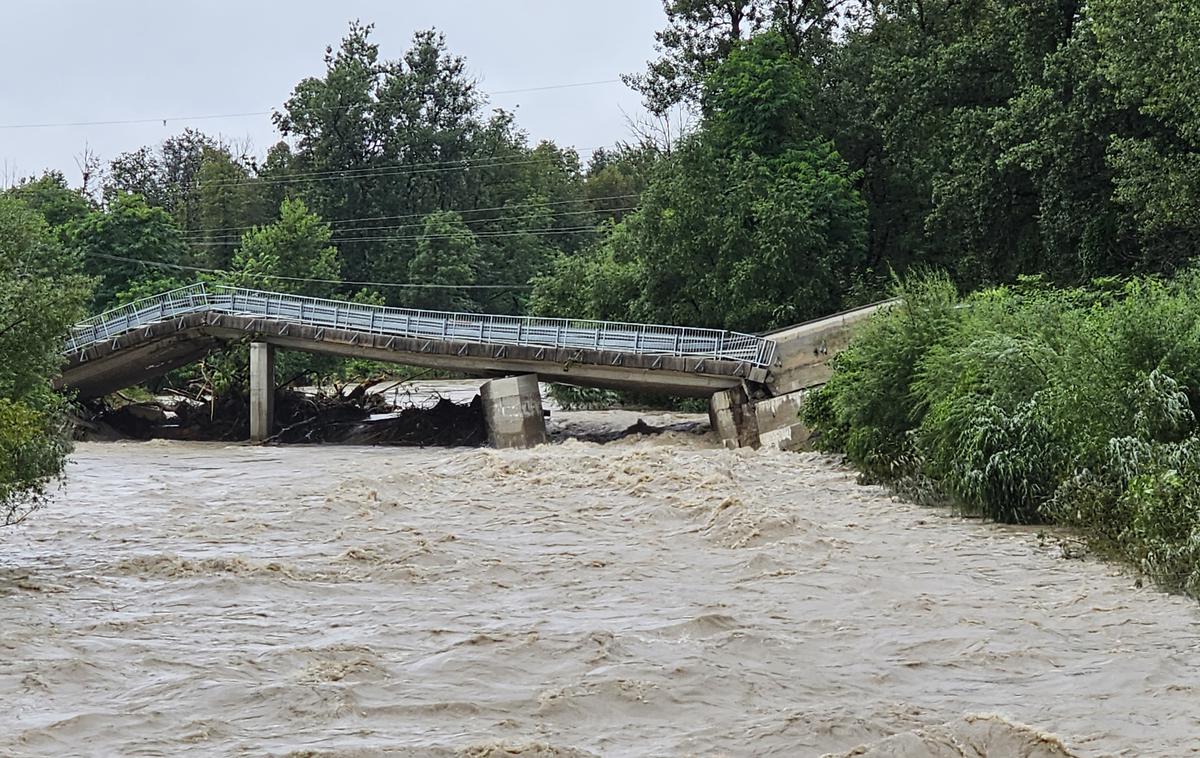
1030	404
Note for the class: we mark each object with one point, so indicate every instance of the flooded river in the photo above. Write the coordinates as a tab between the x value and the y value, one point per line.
652	596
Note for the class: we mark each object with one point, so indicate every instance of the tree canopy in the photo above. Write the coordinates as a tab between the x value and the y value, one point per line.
42	292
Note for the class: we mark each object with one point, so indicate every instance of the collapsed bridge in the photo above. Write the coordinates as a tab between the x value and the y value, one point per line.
147	338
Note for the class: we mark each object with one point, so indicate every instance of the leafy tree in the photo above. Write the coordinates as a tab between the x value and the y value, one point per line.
747	241
381	144
702	33
210	192
136	172
447	254
50	196
227	199
292	254
154	283
166	176
41	294
123	242
753	222
1147	53
601	282
617	177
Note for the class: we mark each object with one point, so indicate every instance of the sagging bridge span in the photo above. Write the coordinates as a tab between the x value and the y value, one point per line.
147	338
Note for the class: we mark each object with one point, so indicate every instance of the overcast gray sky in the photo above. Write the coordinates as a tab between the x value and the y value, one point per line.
67	61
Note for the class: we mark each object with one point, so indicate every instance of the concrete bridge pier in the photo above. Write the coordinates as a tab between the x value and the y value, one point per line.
512	410
731	414
772	422
262	391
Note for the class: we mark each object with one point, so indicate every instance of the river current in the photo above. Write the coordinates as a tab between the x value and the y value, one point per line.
652	596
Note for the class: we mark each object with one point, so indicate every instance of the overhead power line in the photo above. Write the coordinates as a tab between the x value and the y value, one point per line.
367	173
405	285
246	114
385	170
478	235
232	237
460	211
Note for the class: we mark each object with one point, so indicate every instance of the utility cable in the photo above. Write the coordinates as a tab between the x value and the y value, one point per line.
217	230
201	269
233	237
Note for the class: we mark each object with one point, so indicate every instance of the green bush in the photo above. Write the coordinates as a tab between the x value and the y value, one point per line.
866	408
1030	404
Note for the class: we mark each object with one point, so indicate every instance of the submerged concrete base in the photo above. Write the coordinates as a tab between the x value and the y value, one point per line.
731	414
779	424
262	391
512	410
773	422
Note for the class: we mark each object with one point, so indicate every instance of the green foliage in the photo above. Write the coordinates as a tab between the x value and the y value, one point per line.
751	223
292	254
747	241
702	33
41	294
227	198
147	286
120	244
50	196
570	398
617	177
447	254
384	125
598	283
865	409
1029	403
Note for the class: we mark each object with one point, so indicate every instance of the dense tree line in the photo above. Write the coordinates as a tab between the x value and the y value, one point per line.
397	166
986	138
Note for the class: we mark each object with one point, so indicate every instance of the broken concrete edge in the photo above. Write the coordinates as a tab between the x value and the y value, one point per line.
512	411
774	423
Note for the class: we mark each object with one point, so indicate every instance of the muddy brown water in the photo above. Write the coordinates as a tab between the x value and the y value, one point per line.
653	596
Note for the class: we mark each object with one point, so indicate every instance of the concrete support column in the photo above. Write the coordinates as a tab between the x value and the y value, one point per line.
512	409
262	391
731	414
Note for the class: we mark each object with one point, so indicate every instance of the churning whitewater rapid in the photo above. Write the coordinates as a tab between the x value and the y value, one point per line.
652	596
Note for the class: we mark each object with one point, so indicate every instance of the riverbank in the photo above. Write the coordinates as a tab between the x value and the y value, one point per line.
654	596
1031	404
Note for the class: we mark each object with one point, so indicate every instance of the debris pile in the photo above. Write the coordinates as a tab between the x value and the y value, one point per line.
353	416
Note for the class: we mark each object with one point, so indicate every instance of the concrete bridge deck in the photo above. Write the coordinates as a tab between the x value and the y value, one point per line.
755	381
147	338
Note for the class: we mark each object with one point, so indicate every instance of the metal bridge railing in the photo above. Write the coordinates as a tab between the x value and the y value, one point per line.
641	339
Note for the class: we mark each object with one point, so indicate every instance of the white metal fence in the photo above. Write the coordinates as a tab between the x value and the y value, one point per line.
640	339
